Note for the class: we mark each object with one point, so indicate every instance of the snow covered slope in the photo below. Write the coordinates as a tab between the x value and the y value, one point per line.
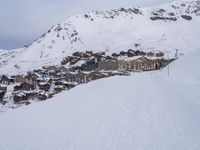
145	111
169	26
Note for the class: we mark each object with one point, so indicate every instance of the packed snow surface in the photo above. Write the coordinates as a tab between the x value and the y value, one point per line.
144	111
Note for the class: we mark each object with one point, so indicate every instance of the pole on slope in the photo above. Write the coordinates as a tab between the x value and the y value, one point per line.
168	62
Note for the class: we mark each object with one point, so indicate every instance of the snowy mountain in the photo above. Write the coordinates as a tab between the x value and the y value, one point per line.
169	26
143	111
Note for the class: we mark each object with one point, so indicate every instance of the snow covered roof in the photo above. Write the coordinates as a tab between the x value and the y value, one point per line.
79	63
44	83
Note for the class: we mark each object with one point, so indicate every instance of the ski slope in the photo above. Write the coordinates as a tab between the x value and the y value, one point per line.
145	111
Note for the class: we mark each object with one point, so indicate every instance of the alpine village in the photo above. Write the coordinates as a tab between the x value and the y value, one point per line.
80	68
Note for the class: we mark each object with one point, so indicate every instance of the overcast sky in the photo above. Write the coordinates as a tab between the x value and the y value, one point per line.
22	21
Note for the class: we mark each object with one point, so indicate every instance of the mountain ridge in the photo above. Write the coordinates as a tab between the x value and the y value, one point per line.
153	28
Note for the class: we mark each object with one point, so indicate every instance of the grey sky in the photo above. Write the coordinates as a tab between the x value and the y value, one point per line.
22	21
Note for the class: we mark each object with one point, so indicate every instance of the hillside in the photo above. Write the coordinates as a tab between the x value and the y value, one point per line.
169	26
152	109
144	111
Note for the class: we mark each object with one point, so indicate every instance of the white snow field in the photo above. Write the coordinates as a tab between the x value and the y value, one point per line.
145	111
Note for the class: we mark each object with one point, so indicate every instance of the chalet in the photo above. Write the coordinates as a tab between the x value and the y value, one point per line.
51	71
123	65
41	96
32	79
70	58
38	72
89	65
50	80
99	56
43	74
52	74
52	94
85	56
142	53
160	54
108	58
150	54
59	88
3	91
39	80
121	73
12	81
81	77
77	54
75	68
44	86
137	53
17	88
69	77
30	94
89	52
115	55
122	53
20	97
12	76
63	69
24	87
78	77
64	62
131	53
108	73
139	64
73	61
71	85
61	85
96	75
103	53
5	80
49	68
108	64
20	79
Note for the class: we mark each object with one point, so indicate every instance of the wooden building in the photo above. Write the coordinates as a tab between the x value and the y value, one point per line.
20	79
20	97
108	64
95	75
89	65
139	64
2	94
44	86
6	80
24	87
